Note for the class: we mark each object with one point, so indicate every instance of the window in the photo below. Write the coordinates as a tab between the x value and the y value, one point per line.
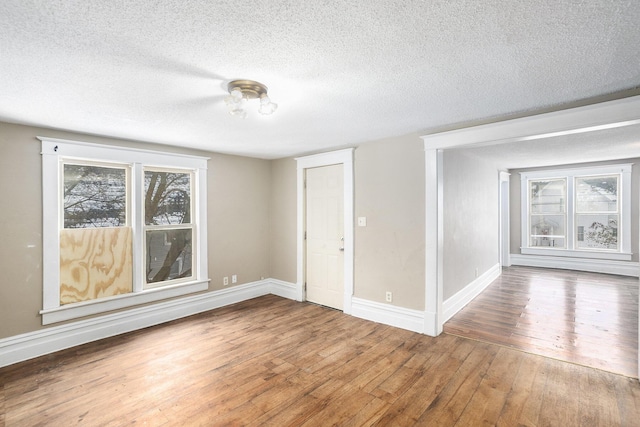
597	212
168	226
95	231
548	212
121	227
577	212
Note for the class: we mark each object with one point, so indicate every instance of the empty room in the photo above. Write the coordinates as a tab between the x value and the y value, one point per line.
319	213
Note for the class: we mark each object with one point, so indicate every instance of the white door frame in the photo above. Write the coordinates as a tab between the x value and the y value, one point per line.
344	157
434	243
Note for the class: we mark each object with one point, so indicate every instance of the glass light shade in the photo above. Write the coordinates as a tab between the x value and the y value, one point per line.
236	103
266	106
238	112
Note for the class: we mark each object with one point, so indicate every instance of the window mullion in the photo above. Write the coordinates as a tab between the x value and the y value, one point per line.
200	224
624	209
525	226
571	212
137	223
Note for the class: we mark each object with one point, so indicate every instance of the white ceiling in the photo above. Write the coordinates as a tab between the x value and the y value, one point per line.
343	73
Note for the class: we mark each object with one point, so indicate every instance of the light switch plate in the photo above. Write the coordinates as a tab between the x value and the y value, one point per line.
362	221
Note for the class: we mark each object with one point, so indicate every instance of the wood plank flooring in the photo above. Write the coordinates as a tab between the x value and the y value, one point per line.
580	317
276	362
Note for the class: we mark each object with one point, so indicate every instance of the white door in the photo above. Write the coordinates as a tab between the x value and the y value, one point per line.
325	236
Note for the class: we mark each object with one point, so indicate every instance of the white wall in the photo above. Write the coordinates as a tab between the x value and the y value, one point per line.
389	192
471	218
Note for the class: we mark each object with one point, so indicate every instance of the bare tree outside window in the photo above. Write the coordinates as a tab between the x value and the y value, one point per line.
94	196
169	231
167	198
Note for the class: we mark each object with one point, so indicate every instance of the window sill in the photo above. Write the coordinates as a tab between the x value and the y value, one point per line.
620	256
89	308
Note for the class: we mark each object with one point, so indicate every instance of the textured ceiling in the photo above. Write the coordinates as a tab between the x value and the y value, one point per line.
343	73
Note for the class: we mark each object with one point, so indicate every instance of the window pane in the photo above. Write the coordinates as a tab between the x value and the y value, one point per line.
167	198
597	194
94	196
547	230
600	231
547	196
168	254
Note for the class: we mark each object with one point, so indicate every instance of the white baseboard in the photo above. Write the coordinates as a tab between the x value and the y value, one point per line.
623	268
283	289
412	320
33	344
463	297
27	346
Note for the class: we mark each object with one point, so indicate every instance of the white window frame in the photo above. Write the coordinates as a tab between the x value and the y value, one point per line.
624	199
55	151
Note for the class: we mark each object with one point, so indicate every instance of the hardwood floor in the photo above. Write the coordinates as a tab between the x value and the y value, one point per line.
585	318
276	362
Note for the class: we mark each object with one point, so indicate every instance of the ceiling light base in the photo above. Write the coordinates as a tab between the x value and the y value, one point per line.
240	91
250	89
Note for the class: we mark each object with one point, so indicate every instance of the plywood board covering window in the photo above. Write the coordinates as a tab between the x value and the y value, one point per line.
95	263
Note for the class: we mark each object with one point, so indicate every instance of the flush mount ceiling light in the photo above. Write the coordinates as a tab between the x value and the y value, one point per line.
241	91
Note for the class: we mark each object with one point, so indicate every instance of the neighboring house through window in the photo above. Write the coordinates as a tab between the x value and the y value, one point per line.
121	227
582	212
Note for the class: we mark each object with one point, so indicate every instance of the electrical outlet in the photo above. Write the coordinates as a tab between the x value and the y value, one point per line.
234	278
389	296
225	280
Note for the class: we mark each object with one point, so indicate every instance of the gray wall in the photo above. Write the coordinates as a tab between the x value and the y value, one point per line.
390	193
471	218
252	220
515	210
283	247
238	220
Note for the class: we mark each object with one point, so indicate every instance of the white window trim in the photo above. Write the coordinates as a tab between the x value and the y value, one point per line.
53	151
624	198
